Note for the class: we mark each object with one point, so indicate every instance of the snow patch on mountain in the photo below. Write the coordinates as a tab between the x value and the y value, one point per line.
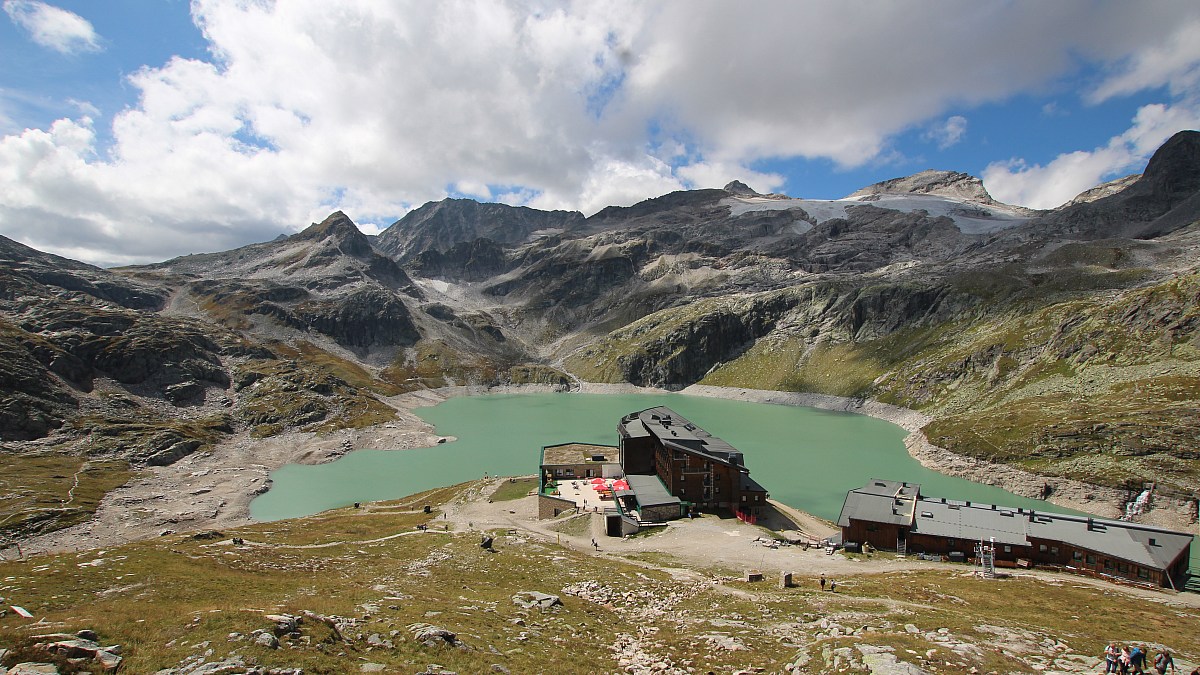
970	217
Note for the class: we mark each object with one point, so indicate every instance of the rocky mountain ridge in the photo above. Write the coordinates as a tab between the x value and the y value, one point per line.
1013	326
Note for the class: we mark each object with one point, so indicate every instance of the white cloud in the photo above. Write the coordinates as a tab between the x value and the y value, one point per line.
948	133
718	174
1043	187
53	27
375	107
1173	61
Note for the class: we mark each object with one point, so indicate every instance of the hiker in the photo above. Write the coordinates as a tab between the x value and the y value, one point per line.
1137	660
1124	660
1111	654
822	582
833	587
1162	660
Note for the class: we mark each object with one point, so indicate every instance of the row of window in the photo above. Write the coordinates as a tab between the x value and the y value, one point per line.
570	473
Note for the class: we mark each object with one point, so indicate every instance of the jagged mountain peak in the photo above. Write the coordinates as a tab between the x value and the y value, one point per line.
439	226
1174	169
341	229
1165	198
740	189
953	184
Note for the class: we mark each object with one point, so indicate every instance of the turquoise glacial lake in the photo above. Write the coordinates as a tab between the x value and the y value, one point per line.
806	458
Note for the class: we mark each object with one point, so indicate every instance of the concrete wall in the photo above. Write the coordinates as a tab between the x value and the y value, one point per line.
549	507
660	513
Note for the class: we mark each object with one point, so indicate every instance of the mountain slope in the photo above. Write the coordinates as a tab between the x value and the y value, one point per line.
1061	341
439	226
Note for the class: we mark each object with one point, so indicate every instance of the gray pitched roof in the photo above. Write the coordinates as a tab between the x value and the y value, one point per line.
650	491
880	501
676	432
945	518
748	484
896	503
1119	539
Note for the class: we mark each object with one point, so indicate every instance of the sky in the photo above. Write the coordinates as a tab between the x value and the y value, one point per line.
134	131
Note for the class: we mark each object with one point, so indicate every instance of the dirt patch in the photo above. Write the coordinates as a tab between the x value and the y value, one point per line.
213	490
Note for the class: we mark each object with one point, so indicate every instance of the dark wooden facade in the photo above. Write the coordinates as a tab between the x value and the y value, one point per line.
637	455
1046	552
883	536
893	516
712	480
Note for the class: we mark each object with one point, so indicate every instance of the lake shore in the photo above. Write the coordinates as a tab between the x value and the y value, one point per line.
1072	494
214	489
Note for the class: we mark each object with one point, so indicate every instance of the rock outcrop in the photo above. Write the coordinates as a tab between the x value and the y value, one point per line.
440	226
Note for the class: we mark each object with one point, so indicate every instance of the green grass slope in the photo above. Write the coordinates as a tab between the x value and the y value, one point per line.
181	599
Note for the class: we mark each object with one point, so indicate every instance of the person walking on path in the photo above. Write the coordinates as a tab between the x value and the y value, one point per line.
822	582
1162	661
1137	659
1111	654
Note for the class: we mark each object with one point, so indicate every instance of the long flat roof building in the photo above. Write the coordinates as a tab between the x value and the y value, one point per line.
892	515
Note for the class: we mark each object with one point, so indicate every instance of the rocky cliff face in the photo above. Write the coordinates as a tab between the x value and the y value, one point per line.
945	183
1163	199
439	226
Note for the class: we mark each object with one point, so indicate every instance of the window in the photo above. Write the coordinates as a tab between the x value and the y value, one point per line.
1053	550
1042	548
1077	555
743	497
558	472
1143	573
570	472
1008	549
588	474
1091	558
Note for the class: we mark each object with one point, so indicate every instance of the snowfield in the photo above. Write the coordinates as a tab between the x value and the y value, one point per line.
970	217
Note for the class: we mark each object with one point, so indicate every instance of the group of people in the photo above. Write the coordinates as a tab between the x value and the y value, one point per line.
1134	659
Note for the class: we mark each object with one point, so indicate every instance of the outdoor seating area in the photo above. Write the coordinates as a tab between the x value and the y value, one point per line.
590	492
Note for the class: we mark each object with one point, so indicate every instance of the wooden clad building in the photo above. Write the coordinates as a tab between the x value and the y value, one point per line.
894	516
694	465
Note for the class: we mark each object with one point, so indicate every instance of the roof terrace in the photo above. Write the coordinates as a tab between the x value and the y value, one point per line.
580	453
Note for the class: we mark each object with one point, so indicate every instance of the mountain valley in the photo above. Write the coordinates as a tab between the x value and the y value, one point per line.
1063	343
